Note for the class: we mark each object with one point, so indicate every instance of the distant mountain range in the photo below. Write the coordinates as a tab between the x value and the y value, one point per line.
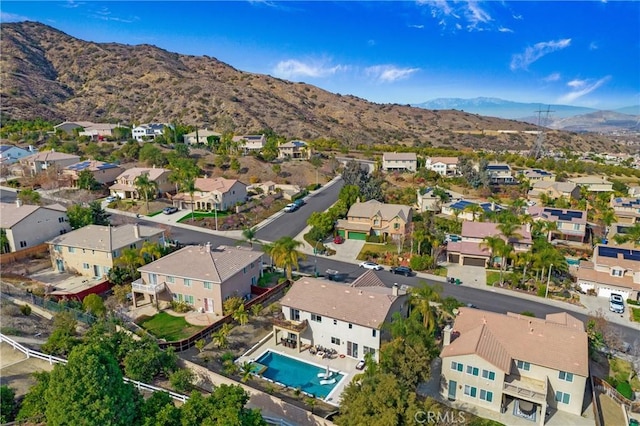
561	117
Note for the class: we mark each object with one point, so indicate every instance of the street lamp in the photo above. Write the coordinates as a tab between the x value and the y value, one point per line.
546	290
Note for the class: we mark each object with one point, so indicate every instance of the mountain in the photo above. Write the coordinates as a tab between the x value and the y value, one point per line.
48	74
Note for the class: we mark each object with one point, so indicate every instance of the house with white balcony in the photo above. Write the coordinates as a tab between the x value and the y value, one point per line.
296	149
125	184
46	160
612	269
27	226
201	276
251	143
627	209
500	174
515	364
347	318
399	162
571	225
213	194
593	183
148	132
444	166
537	175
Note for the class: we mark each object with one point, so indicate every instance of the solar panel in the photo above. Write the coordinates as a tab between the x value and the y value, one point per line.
632	255
611	252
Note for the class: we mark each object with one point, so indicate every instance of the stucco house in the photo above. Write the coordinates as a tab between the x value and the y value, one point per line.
537	175
10	154
516	364
347	318
99	131
444	166
399	161
627	209
593	183
571	224
200	136
27	226
149	131
295	149
459	208
104	173
69	126
432	199
202	276
92	249
125	182
48	159
375	218
500	174
213	193
251	143
611	270
553	190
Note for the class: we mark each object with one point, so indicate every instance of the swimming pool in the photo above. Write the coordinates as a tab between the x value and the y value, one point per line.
297	374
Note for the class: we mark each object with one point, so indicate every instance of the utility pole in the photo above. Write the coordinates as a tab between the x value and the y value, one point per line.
546	290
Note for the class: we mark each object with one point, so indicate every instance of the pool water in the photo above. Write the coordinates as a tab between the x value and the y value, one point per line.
297	374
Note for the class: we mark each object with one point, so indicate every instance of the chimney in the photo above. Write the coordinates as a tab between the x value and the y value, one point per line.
446	341
394	289
18	202
136	230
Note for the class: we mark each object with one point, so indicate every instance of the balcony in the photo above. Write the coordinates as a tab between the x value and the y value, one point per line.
140	287
295	326
525	388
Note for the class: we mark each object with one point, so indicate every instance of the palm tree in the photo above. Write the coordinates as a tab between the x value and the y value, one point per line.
221	337
524	259
130	259
475	210
496	246
246	368
188	184
146	187
249	234
632	234
517	205
151	249
421	299
285	254
241	315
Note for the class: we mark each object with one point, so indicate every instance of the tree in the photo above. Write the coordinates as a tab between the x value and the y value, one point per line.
98	215
159	410
130	259
29	196
285	254
241	315
86	180
181	169
146	360
33	405
322	221
221	337
349	194
79	216
4	242
188	185
63	338
120	276
235	165
151	155
249	235
496	246
421	299
475	209
94	305
89	390
7	404
146	187
182	379
631	234
225	406
151	251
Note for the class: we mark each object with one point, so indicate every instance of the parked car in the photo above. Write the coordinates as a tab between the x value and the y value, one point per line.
169	210
338	239
111	198
616	303
299	202
402	270
289	208
371	265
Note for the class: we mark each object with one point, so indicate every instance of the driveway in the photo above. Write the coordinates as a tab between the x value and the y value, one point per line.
473	276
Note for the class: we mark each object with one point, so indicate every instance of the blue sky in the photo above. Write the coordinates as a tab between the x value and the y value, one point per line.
573	52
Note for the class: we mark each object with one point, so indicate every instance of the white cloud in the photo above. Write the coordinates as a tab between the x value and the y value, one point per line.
537	51
552	77
505	30
12	17
293	68
593	46
582	88
71	4
468	14
389	73
476	15
416	26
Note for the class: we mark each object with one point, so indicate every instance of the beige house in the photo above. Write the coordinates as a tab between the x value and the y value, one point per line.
553	190
27	226
347	318
99	131
251	143
295	149
516	364
104	173
217	193
125	186
91	250
375	218
611	270
201	276
627	209
399	161
538	175
432	199
571	224
445	166
593	183
47	160
200	137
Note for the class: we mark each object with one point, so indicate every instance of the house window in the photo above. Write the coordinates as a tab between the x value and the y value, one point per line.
470	391
316	318
23	243
171	279
85	266
563	397
486	374
486	395
71	249
58	249
368	350
335	322
350	326
187	282
576	226
616	272
374	332
105	270
376	222
474	371
294	314
335	341
60	219
457	366
208	285
115	253
396	226
567	377
244	270
523	365
254	280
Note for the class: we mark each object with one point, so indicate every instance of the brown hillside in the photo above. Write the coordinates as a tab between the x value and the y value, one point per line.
46	73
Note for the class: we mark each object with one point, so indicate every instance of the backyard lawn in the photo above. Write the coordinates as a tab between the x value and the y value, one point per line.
619	369
635	314
493	277
168	327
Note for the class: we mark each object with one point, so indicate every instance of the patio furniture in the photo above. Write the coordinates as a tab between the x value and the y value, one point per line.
321	354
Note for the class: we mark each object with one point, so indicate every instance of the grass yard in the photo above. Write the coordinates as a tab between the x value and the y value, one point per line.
493	277
379	249
635	314
203	215
440	271
155	213
168	327
620	369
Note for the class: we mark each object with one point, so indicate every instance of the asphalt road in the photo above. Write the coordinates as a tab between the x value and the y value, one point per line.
7	196
293	223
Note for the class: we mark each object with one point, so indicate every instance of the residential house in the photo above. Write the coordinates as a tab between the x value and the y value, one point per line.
375	218
538	175
10	154
459	208
611	270
516	364
445	166
92	250
213	193
149	131
571	224
553	191
251	143
634	191
432	199
295	149
347	318
593	183
200	136
125	186
48	159
472	250
69	126
268	187
399	162
27	226
627	209
200	276
100	131
500	174
104	173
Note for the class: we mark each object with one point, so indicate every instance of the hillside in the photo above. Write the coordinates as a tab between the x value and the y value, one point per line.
48	74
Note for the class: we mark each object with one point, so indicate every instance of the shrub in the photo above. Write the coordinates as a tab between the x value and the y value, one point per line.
528	314
419	263
624	388
232	304
542	289
373	239
26	310
633	302
180	307
182	379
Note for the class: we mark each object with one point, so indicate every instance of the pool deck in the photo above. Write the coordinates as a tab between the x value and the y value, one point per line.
346	365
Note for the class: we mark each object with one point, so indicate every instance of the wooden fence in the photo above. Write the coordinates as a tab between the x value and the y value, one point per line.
8	258
604	387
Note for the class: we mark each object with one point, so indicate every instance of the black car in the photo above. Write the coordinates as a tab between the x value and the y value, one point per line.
401	270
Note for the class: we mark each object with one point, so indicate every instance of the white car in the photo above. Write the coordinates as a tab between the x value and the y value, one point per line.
290	208
371	265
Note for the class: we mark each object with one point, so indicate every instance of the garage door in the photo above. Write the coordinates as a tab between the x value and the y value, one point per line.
473	261
606	292
454	258
341	232
357	236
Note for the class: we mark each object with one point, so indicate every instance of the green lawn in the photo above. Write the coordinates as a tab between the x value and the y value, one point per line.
493	277
620	369
155	213
165	326
203	215
440	271
376	248
635	314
